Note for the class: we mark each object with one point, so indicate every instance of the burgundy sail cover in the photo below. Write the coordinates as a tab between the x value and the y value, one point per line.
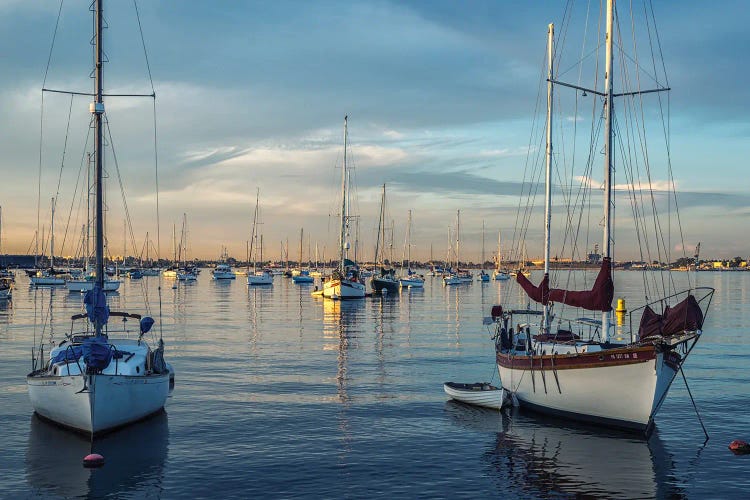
686	315
599	298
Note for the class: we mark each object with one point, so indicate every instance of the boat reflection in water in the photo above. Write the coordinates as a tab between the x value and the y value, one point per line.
549	457
134	460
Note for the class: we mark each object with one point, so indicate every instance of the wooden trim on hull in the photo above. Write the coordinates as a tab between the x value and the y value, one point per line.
598	359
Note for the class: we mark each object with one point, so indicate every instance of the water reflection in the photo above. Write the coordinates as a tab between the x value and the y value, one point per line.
549	457
340	323
134	457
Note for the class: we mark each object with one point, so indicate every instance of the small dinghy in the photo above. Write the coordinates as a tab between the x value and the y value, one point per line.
478	393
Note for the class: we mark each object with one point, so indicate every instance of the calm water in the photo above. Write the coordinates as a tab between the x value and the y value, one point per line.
284	395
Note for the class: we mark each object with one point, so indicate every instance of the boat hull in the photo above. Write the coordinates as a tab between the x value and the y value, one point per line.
476	394
617	387
47	281
86	285
343	289
259	279
451	280
224	275
103	403
379	284
411	283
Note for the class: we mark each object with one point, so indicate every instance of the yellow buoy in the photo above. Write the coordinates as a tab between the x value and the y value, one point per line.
621	306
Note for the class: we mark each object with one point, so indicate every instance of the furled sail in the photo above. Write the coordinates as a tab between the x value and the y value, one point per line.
599	298
685	316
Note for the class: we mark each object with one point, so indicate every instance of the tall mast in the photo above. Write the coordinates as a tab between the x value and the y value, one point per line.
608	80
254	235
408	243
548	172
301	235
52	236
482	246
97	109
88	213
342	238
381	230
458	240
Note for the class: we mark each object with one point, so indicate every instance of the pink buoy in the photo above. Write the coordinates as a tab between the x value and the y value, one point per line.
739	447
93	460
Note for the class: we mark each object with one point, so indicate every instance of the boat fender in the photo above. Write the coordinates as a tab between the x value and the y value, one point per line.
739	447
93	460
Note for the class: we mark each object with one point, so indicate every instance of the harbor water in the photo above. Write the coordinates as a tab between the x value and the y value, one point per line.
283	395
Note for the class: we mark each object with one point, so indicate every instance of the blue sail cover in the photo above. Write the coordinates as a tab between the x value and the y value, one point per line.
96	306
71	354
97	352
146	323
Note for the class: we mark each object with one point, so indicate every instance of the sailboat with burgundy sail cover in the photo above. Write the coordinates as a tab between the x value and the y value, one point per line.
580	368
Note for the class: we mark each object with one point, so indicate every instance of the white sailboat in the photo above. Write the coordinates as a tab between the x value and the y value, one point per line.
301	275
576	368
412	279
500	274
185	272
344	283
257	277
49	277
92	382
458	276
483	276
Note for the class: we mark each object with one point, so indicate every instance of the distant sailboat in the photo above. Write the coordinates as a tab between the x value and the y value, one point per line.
301	275
412	279
50	276
384	278
344	282
500	274
257	277
483	276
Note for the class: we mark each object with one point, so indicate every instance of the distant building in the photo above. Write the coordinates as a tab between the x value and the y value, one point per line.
595	257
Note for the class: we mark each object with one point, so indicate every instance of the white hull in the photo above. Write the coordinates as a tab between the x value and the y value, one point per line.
169	273
411	283
343	289
492	398
224	276
501	276
111	400
186	277
86	285
626	395
259	279
46	281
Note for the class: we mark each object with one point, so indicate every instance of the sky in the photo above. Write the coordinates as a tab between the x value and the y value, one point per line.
441	98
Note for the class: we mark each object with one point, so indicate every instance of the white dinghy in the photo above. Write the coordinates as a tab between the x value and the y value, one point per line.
478	394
